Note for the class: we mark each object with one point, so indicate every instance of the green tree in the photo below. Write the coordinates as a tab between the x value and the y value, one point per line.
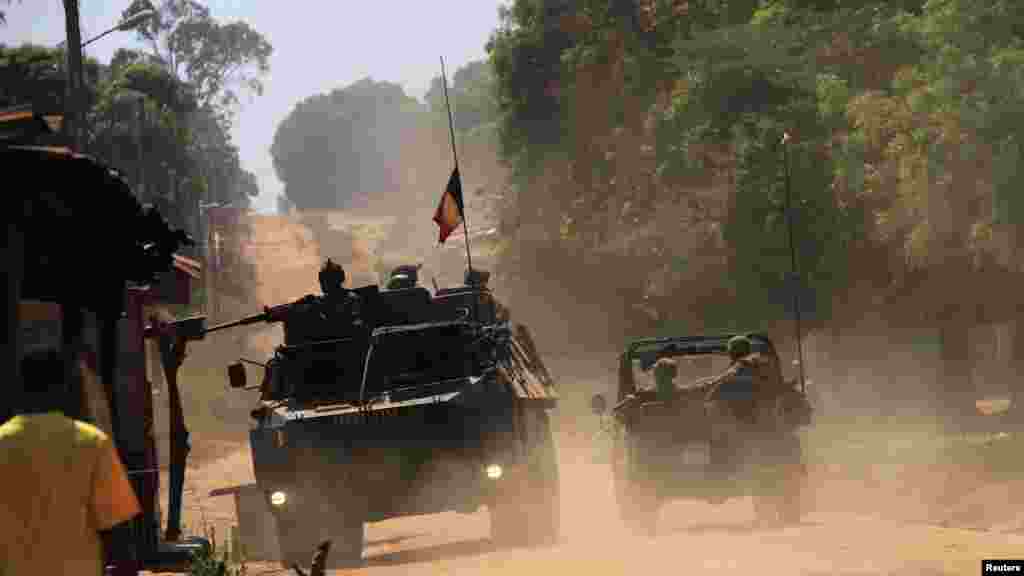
334	147
214	62
652	128
472	96
214	58
34	75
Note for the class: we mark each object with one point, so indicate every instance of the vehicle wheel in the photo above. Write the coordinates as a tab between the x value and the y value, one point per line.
793	504
636	499
527	511
300	533
347	535
781	497
343	523
296	544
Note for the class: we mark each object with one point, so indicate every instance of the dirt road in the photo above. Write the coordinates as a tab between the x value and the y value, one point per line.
850	535
693	539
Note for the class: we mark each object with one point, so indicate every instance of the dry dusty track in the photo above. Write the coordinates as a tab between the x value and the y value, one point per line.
843	538
693	538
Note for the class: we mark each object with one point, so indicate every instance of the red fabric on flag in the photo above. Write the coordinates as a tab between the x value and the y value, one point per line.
449	213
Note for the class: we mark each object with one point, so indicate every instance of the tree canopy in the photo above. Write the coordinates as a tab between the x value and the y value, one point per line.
649	131
471	93
215	59
334	147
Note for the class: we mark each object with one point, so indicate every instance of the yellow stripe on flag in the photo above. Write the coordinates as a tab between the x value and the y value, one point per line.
448	216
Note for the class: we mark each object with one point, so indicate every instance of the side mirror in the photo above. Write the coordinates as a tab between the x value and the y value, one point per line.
598	405
236	375
192	328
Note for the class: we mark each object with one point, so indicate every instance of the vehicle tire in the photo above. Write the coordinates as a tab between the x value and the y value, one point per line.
300	533
347	534
297	535
294	547
343	521
793	504
527	510
781	506
781	498
634	495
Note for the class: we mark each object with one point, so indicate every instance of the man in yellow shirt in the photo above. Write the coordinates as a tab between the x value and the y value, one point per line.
64	485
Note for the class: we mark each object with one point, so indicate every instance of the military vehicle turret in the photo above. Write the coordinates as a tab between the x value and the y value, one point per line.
415	403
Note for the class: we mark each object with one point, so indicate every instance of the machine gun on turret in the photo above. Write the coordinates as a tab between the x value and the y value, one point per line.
173	338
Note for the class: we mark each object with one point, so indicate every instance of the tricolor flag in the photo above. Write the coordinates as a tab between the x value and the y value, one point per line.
449	212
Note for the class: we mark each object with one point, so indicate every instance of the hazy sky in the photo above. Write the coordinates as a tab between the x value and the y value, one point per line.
319	45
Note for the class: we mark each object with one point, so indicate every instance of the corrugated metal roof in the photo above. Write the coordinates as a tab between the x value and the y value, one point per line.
23	124
55	150
187	265
14	115
231	490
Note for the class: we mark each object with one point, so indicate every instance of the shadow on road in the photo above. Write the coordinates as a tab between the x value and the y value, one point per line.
393	539
433	553
735	528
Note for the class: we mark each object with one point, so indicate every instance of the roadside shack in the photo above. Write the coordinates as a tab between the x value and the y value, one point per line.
84	259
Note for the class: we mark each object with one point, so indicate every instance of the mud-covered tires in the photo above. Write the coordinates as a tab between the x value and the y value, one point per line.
295	547
317	520
781	496
527	507
634	493
782	505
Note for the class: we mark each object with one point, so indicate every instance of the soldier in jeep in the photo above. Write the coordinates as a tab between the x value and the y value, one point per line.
665	372
743	403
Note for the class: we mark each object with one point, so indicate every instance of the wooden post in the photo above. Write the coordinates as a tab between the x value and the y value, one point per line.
139	170
15	260
71	343
74	91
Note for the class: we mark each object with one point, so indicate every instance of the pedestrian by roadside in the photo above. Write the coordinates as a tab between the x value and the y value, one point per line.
64	484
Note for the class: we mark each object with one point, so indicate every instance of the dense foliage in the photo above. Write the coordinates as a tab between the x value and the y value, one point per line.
163	118
651	129
214	58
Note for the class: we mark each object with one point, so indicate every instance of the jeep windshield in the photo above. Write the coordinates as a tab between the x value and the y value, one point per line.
697	358
417	359
690	370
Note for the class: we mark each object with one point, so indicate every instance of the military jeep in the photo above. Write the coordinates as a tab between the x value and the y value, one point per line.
663	446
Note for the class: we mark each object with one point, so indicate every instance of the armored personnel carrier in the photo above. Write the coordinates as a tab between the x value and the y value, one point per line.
663	445
417	403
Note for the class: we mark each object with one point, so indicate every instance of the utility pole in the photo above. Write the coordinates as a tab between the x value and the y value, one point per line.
140	123
72	124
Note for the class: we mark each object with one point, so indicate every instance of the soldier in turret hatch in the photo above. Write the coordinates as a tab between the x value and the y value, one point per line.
404	277
337	302
325	316
332	278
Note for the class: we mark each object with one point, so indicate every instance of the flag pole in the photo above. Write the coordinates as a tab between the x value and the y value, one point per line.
792	258
455	155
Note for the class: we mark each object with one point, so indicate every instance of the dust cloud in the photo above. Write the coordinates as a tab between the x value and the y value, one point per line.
871	449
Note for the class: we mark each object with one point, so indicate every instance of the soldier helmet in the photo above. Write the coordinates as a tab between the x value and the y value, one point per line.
332	277
739	346
404	277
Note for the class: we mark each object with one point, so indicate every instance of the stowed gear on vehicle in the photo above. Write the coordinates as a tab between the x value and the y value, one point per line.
403	402
728	434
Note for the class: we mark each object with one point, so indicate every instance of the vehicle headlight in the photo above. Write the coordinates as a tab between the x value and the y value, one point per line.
494	471
278	498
